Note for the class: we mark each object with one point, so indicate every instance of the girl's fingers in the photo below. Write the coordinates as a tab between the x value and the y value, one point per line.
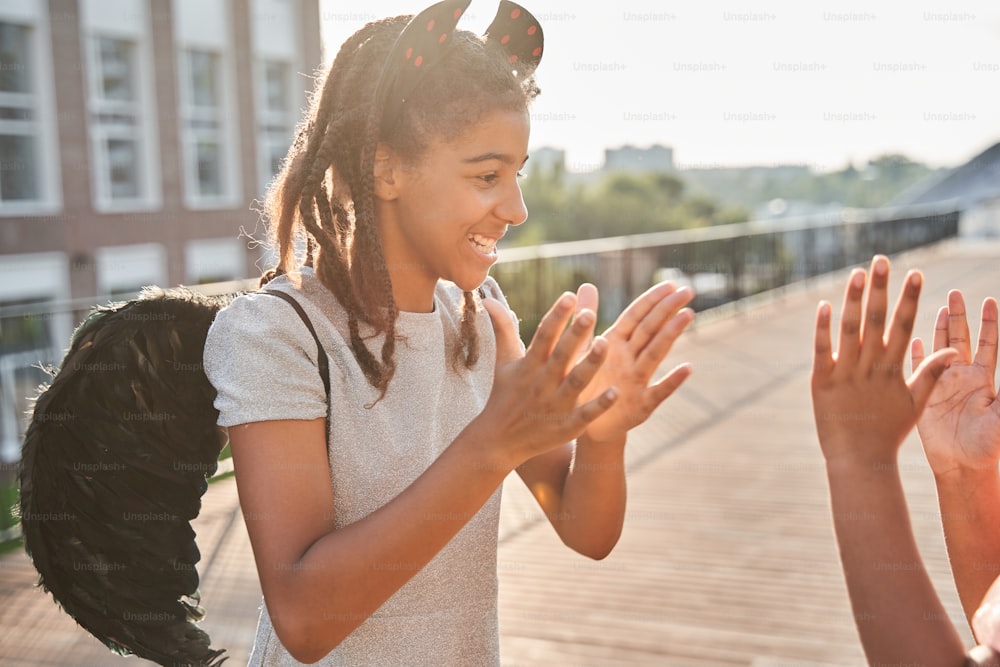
667	385
653	354
916	354
903	317
941	329
922	382
875	311
850	320
651	325
584	371
596	407
586	297
958	326
569	346
508	341
550	329
636	311
986	349
823	346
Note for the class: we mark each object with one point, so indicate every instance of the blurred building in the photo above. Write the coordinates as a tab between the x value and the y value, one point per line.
548	160
975	189
135	136
632	158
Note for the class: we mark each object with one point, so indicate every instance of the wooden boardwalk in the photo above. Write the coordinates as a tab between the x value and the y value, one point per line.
727	557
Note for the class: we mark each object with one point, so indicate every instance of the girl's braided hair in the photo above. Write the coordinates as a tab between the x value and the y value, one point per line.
324	193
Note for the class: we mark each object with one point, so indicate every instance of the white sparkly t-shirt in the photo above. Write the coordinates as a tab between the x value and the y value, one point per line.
262	361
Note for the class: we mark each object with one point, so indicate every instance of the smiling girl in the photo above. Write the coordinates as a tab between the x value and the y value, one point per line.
373	514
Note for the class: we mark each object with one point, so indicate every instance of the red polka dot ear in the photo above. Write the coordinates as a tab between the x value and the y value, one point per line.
422	43
417	48
519	34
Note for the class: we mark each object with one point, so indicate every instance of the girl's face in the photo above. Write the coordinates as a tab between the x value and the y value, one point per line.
444	215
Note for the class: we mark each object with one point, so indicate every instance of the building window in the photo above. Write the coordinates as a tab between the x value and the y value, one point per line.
205	135
33	334
116	74
116	123
122	271
19	130
24	343
277	117
214	260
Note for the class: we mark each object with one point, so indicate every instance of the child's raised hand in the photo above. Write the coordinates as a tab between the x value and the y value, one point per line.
638	342
534	405
862	404
960	427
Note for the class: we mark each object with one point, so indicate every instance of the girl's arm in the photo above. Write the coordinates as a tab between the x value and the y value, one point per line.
581	487
319	583
960	432
864	409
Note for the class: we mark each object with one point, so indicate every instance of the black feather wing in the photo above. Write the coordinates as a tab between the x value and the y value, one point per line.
114	464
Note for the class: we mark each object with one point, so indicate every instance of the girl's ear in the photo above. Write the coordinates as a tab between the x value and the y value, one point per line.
387	168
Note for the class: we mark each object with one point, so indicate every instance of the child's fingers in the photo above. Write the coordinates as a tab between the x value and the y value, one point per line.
916	354
570	344
875	311
922	383
903	317
958	326
636	311
508	341
850	320
664	313
550	329
941	329
823	347
653	354
986	349
596	407
584	371
586	297
667	385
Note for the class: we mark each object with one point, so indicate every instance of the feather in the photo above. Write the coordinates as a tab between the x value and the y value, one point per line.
114	463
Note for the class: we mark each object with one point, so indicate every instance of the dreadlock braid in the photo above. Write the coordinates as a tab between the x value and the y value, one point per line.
368	246
326	189
469	338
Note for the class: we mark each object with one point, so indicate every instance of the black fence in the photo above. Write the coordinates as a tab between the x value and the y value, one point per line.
723	264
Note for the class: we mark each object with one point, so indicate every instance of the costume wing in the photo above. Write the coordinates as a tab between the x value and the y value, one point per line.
114	464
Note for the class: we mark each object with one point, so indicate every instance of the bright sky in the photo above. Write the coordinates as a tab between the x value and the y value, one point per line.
736	83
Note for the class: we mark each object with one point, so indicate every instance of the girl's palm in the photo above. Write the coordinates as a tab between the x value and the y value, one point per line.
638	342
960	427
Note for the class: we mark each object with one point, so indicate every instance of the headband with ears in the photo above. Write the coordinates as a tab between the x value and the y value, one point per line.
427	36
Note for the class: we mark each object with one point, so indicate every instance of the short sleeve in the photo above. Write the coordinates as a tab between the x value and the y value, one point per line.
261	360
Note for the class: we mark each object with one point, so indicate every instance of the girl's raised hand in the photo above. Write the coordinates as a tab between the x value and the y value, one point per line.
960	427
862	404
638	342
534	405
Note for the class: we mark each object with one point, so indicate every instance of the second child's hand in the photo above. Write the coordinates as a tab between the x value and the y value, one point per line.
638	342
960	433
960	427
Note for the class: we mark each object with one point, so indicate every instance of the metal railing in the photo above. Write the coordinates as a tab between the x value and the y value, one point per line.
723	264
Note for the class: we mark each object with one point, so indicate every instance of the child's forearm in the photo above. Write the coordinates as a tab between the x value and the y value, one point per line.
970	514
898	614
592	505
